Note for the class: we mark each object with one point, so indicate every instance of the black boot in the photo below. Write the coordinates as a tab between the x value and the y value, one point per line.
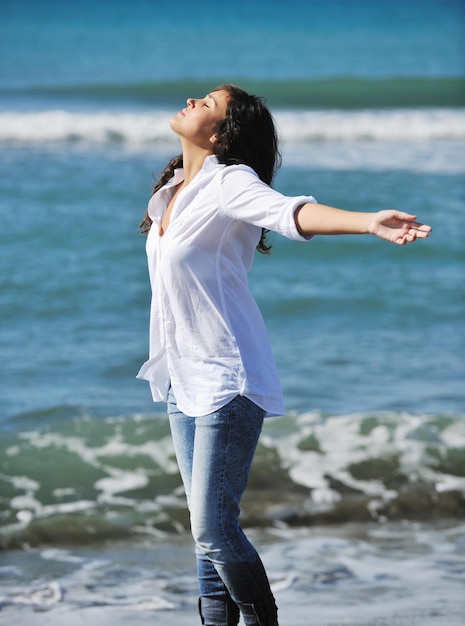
218	611
263	614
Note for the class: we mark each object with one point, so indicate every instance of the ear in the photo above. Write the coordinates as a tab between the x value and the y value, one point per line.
213	139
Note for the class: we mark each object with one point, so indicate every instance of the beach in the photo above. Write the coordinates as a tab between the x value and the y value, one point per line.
356	499
397	574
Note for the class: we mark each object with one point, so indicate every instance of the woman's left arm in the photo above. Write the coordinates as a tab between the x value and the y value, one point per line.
394	226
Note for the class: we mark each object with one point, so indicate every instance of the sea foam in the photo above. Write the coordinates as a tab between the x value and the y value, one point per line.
110	478
144	128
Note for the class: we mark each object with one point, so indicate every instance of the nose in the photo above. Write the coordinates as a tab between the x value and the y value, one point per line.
190	102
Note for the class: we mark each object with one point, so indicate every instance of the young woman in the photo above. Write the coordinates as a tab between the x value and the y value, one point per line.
209	354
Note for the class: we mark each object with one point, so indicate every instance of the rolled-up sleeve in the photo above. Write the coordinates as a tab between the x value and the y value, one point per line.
244	197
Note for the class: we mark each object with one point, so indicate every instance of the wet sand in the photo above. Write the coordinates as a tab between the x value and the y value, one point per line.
448	612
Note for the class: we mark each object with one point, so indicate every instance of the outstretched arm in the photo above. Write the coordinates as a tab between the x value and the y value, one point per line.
394	226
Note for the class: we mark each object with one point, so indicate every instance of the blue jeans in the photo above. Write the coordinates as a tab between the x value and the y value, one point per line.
215	454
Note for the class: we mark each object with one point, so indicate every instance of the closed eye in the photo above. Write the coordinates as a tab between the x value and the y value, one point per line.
209	97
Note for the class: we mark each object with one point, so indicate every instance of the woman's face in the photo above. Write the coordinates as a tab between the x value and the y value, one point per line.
198	120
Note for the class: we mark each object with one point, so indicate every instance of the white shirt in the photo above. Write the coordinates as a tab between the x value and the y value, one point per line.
207	336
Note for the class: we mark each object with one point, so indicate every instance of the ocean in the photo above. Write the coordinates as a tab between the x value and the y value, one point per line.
357	495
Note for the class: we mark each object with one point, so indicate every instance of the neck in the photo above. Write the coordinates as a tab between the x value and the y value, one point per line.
193	160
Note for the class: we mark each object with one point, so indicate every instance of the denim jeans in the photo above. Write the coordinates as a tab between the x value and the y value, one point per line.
215	454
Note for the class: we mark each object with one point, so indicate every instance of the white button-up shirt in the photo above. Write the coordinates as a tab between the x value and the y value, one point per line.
207	336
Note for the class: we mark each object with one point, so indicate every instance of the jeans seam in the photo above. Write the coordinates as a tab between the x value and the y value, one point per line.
233	549
223	479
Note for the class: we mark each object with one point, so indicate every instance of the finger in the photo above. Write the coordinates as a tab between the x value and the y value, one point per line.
408	236
421	234
421	230
421	227
408	217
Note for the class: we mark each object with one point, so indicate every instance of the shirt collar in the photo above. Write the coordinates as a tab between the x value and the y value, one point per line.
210	163
178	177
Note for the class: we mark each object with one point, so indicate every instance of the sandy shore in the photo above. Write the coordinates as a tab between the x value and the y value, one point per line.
357	575
447	614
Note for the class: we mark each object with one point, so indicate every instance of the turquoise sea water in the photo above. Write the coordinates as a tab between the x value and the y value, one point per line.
369	98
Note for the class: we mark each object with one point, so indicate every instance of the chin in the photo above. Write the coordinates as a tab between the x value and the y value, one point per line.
174	121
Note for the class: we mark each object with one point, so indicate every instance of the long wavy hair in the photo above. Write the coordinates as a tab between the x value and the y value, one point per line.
247	135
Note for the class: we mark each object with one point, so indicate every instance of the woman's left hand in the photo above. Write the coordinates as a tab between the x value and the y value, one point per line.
398	227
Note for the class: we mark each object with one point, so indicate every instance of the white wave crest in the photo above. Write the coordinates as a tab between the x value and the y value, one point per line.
142	128
97	127
400	125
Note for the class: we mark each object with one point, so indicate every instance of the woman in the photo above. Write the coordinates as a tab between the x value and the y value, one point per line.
209	354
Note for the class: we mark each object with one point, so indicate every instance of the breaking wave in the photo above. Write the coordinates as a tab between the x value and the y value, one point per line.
147	128
88	479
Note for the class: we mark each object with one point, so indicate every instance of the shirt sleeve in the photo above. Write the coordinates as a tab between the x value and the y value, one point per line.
246	198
